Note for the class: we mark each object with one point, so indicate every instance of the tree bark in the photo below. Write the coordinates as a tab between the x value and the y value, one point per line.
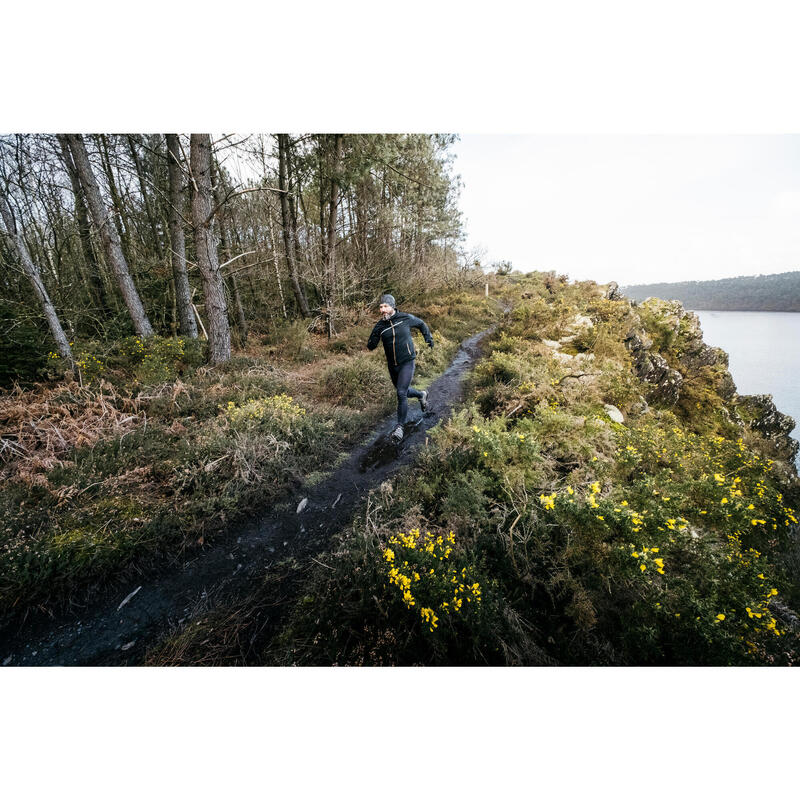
96	284
188	326
148	209
330	249
275	258
219	193
219	334
123	226
32	271
108	235
289	226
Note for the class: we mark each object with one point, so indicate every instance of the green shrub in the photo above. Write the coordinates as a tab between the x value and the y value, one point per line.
292	341
354	381
25	352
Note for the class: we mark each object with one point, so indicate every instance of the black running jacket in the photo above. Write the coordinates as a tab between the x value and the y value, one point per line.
395	333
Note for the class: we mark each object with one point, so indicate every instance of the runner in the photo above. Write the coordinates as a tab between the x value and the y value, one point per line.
394	329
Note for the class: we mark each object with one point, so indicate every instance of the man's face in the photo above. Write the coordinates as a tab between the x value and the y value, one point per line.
386	310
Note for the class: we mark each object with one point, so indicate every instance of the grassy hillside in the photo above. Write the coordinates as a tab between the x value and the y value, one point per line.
156	456
536	529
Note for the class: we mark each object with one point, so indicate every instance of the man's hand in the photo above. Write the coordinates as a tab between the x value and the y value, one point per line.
430	344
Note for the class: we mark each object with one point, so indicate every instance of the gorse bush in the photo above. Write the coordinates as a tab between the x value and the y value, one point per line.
156	359
425	590
280	410
414	564
150	360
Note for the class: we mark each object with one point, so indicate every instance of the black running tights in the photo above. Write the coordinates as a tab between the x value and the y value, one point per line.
401	377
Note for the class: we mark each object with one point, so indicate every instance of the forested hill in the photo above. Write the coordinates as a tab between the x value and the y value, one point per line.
779	292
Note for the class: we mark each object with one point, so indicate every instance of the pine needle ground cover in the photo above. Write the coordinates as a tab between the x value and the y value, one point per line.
149	455
536	529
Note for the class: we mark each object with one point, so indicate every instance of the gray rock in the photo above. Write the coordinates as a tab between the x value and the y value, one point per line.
759	412
579	323
653	368
640	407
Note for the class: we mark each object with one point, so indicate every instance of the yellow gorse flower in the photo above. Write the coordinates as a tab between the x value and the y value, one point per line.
428	581
548	501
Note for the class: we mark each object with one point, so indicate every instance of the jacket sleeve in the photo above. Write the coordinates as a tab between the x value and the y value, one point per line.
374	338
416	322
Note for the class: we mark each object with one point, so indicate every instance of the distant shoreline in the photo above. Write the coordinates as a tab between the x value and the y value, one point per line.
773	293
748	310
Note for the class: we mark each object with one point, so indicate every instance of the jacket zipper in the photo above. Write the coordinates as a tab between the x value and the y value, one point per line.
408	347
394	351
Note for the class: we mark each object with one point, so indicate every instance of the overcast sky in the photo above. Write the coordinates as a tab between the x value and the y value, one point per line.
634	209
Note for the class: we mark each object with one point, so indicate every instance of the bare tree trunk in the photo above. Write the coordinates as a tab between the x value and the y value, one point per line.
96	284
108	234
148	209
32	271
219	334
330	249
217	184
289	226
188	326
275	258
123	229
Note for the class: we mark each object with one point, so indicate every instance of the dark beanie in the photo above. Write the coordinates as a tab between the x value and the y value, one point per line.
389	300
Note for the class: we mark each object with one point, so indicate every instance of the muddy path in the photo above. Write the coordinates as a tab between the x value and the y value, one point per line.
123	625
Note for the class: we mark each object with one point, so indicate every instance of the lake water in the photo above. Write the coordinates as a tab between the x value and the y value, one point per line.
764	352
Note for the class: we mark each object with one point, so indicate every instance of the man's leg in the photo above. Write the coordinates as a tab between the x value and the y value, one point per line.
412	392
420	395
404	374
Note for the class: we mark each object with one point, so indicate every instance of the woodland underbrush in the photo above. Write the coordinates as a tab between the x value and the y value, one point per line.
143	452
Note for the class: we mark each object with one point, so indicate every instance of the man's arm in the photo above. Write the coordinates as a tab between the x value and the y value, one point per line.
374	337
416	322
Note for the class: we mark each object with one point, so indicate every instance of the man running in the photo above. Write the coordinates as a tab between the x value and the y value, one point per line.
394	329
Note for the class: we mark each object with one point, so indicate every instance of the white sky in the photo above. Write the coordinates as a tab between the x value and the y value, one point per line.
634	209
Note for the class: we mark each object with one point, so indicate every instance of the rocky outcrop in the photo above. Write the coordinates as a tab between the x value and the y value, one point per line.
758	412
653	368
694	354
682	329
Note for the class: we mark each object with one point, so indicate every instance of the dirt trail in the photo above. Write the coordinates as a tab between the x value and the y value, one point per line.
122	626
